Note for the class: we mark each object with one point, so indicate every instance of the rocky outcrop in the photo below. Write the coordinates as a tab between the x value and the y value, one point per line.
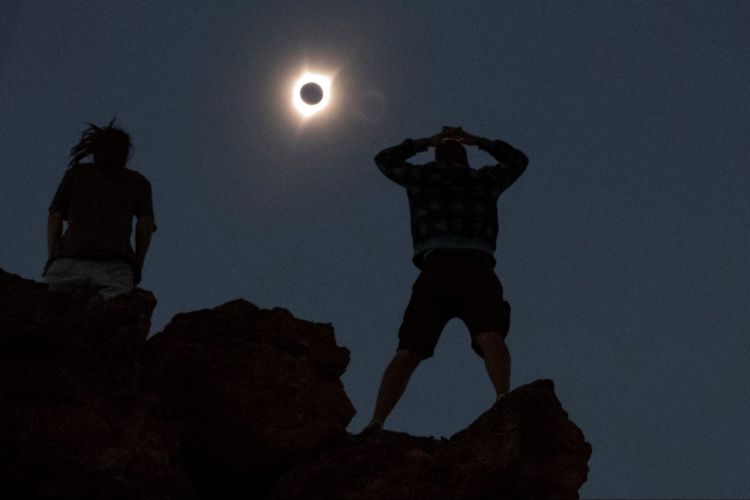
73	423
253	390
524	447
235	402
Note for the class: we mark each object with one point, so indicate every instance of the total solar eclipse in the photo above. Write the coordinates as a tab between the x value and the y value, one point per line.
311	93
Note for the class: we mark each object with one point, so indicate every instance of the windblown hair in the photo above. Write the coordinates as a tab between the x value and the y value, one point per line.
100	139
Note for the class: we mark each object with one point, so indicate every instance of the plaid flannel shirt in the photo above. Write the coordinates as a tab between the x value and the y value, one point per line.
452	206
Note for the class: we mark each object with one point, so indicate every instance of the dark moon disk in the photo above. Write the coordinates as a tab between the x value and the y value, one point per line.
311	93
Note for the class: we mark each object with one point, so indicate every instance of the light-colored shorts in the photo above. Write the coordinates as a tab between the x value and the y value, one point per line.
109	278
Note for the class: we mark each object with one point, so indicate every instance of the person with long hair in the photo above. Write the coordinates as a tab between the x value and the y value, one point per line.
99	199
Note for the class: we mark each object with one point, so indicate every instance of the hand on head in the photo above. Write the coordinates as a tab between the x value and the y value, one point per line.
435	139
453	133
468	138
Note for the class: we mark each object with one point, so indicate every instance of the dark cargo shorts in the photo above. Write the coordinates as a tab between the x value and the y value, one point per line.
453	285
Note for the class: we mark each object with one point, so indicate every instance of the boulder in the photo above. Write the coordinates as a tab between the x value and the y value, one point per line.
235	402
72	422
524	447
254	390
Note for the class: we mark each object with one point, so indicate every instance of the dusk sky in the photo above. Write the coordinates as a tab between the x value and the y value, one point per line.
623	249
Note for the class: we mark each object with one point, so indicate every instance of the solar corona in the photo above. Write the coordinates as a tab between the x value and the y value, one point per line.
311	93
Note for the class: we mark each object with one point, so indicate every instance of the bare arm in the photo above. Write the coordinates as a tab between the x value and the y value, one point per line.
58	211
54	231
144	228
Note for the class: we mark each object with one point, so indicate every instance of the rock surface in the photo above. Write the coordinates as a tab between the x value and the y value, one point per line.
235	402
72	422
524	447
253	390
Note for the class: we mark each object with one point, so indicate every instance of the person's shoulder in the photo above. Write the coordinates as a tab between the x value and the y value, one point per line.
137	177
79	170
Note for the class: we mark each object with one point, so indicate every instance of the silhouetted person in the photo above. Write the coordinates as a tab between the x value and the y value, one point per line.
454	230
99	200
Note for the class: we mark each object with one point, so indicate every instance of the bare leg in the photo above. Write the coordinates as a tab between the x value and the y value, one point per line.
496	360
394	382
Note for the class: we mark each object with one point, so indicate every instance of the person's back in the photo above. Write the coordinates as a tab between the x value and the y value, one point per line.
99	201
454	227
450	204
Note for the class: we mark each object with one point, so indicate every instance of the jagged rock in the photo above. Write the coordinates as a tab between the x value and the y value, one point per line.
72	424
235	402
524	447
255	390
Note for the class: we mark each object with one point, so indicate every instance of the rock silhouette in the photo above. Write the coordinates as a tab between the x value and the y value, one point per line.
235	402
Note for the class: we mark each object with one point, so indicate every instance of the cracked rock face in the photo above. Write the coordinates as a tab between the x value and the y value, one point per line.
235	402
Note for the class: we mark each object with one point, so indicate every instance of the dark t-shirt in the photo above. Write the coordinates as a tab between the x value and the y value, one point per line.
99	205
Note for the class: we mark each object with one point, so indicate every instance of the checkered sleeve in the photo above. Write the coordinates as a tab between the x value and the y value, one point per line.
392	161
511	163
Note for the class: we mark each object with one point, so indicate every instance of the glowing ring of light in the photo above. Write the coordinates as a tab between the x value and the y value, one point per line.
307	110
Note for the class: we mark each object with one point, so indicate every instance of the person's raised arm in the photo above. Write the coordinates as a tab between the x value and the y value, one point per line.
511	162
392	161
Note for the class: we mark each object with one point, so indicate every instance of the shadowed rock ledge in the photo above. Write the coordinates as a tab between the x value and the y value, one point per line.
235	402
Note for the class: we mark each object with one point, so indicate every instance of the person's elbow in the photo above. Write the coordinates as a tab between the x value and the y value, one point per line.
55	217
146	224
520	159
383	159
385	164
55	225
